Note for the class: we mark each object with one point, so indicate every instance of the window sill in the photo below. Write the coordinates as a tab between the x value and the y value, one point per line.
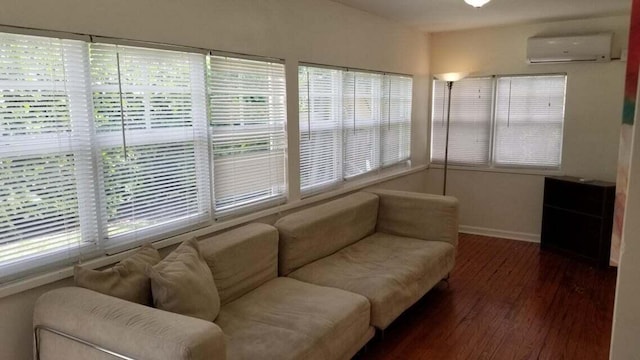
25	284
514	171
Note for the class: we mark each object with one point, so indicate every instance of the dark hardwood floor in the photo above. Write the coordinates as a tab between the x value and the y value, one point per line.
506	300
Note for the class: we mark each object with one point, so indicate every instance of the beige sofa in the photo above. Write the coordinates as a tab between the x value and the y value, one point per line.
350	264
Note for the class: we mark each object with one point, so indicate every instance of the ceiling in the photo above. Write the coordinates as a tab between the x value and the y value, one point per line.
446	15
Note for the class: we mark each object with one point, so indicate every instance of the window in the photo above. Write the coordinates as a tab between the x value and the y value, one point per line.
528	121
362	100
351	123
320	127
521	126
395	133
470	126
150	125
45	152
247	124
104	146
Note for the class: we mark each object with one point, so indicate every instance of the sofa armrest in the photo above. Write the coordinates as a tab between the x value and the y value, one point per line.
67	321
418	215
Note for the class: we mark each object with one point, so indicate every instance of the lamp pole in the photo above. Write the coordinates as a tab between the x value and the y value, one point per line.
449	78
446	141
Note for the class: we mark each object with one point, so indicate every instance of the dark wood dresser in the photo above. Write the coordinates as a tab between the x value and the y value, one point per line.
577	218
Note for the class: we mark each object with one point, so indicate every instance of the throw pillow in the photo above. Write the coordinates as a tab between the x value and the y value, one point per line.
126	280
182	283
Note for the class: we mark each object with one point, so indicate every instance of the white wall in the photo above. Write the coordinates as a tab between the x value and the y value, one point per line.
318	31
511	204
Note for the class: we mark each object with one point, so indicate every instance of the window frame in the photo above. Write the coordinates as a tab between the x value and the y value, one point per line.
486	162
344	125
148	136
69	142
492	165
277	139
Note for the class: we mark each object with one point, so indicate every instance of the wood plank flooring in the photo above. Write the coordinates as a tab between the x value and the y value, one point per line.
506	300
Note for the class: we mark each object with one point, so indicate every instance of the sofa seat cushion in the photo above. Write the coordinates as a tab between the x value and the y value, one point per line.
289	319
393	272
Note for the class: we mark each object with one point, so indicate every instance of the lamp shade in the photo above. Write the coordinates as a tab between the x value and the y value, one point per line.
476	3
452	76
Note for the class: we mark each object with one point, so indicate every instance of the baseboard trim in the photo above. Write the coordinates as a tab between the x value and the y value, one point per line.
512	235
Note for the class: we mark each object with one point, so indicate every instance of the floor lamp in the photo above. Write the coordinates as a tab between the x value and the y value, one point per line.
450	78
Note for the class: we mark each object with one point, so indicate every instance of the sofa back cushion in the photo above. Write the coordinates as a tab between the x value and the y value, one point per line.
417	215
126	280
314	233
182	283
241	259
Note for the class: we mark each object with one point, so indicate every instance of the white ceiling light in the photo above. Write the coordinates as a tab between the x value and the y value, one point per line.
476	3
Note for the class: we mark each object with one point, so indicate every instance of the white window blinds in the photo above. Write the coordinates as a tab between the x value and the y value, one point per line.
104	146
396	119
470	121
320	107
351	123
47	209
150	121
362	98
529	121
521	126
247	124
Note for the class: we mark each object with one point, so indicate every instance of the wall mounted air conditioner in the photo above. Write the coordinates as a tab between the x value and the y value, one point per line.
562	49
